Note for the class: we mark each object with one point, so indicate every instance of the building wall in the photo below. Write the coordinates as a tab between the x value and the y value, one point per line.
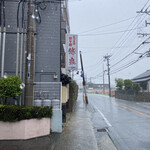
47	43
64	95
67	91
11	39
47	55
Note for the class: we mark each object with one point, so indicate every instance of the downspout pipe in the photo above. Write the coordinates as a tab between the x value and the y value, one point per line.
22	38
18	38
21	100
0	28
4	40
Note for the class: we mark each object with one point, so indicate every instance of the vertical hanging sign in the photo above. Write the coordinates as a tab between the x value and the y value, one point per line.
71	52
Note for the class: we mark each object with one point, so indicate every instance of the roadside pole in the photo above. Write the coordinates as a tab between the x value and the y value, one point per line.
103	80
83	93
29	73
84	83
108	65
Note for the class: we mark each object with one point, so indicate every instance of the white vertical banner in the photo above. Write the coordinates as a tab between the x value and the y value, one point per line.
71	52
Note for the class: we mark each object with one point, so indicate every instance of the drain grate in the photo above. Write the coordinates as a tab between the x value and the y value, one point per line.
102	130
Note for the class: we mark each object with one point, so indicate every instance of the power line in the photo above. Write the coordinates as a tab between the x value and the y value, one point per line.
100	61
108	32
116	71
106	25
128	34
124	66
145	5
134	25
130	53
102	47
125	40
131	63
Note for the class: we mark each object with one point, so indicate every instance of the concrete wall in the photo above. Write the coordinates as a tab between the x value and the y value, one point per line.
142	96
56	121
47	55
24	129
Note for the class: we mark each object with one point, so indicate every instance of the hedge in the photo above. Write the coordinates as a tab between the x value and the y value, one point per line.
12	113
73	91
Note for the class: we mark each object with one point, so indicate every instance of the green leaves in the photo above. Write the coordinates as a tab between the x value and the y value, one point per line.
119	83
12	113
128	85
73	89
10	87
136	87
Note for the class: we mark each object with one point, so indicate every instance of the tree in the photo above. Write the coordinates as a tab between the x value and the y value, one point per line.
119	83
10	86
128	84
136	88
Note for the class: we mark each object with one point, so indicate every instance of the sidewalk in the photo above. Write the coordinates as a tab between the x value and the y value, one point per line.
77	135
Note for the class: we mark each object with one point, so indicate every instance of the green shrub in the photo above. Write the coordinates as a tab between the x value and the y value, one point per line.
10	87
119	83
136	88
73	91
128	84
13	113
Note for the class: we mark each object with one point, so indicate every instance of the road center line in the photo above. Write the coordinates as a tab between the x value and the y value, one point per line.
134	110
107	122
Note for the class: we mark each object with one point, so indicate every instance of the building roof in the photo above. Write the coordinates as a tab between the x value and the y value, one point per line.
142	77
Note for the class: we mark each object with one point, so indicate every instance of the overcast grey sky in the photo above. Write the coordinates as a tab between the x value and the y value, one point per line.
110	27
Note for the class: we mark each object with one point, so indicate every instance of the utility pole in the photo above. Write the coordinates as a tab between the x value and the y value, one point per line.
103	79
108	65
84	83
29	76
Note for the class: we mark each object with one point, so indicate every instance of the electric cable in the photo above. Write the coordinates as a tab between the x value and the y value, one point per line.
106	25
100	61
130	63
116	71
130	33
4	24
38	5
108	33
23	9
130	53
18	13
145	5
123	42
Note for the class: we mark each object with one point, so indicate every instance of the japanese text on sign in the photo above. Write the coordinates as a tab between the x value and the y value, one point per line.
71	52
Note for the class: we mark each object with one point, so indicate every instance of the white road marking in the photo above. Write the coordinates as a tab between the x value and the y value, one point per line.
107	122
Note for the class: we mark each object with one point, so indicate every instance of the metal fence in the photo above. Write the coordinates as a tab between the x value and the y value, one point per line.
48	94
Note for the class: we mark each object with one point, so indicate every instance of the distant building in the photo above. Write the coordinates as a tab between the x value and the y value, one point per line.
94	86
144	81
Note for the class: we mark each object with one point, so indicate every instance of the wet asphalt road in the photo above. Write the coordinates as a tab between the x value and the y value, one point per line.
127	123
